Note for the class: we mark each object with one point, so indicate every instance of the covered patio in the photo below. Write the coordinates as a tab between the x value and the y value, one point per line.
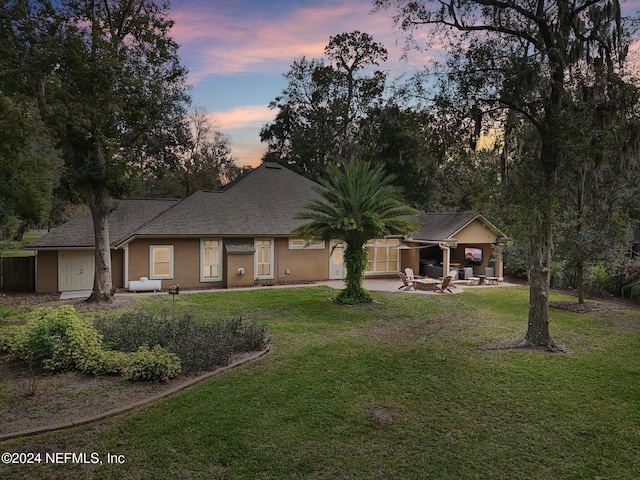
466	242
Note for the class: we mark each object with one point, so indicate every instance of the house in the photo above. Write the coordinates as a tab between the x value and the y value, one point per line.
234	237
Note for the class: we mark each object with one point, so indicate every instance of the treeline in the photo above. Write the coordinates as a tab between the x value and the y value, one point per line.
469	133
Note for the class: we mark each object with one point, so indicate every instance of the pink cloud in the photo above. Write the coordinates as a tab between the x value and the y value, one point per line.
242	116
243	125
220	43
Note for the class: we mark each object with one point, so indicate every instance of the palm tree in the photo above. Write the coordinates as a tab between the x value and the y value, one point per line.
358	204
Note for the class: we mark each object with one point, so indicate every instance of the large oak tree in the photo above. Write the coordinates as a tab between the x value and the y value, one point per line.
507	59
104	74
318	117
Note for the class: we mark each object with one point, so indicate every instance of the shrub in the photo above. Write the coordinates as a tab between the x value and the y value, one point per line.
558	276
249	336
105	362
598	280
200	346
134	329
516	259
154	364
58	339
9	338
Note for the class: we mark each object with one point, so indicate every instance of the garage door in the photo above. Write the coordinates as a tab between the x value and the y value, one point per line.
75	270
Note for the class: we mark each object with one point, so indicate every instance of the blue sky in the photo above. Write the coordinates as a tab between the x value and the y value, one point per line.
238	50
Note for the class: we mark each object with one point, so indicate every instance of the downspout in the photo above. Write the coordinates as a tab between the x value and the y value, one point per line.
126	266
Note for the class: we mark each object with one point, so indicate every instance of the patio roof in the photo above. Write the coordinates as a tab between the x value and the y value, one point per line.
443	227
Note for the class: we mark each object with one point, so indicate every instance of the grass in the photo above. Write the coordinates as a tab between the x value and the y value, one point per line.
394	390
13	249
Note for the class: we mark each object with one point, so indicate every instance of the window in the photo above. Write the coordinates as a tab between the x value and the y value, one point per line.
210	253
300	243
161	261
264	258
384	256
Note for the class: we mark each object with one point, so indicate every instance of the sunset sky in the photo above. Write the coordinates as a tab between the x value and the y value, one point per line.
238	50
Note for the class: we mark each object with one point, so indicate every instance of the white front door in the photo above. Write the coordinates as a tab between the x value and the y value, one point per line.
336	261
76	269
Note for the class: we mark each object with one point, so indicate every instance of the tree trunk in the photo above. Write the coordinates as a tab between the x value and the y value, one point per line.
539	276
98	200
356	260
580	281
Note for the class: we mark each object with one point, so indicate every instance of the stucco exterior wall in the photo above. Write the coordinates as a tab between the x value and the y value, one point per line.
410	258
475	232
231	265
186	262
47	271
303	263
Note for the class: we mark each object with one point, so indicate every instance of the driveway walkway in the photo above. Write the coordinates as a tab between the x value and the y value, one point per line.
386	284
391	285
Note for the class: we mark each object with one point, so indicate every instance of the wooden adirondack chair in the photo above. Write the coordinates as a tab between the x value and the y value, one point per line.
406	283
444	285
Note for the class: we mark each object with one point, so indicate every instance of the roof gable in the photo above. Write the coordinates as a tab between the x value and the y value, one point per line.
440	227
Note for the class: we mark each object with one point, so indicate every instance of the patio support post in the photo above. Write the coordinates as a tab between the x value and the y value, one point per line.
446	259
498	262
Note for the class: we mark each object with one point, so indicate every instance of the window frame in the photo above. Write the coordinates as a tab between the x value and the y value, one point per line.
203	265
152	262
376	245
307	244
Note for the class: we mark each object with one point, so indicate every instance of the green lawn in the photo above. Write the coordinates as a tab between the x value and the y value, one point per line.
395	390
12	249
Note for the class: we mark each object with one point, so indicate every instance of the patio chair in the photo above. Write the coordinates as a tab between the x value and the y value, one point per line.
453	273
470	277
406	283
410	275
444	285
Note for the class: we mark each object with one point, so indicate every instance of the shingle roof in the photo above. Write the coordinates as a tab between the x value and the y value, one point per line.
439	227
126	219
262	203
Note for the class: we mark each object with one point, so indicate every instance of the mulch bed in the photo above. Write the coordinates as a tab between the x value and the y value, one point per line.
587	307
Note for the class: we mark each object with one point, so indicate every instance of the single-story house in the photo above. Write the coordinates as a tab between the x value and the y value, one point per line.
233	237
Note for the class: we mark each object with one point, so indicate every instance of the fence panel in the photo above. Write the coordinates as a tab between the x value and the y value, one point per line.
18	274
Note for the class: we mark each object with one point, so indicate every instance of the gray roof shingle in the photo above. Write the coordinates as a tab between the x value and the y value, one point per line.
123	222
262	203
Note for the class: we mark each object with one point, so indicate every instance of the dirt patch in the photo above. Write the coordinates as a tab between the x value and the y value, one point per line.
34	400
586	307
384	416
33	300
